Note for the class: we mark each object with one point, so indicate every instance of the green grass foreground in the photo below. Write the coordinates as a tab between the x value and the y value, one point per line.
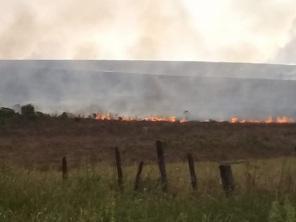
265	191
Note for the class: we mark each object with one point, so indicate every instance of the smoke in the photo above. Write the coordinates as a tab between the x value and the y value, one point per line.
257	31
95	29
215	30
287	53
138	88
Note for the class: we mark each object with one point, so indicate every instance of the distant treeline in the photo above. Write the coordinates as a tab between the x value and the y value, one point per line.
28	112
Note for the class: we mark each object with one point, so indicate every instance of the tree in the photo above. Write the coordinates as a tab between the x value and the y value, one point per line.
6	113
28	111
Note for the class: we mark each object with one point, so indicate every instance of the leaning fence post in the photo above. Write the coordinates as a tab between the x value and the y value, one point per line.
138	176
119	169
161	165
227	178
192	171
64	168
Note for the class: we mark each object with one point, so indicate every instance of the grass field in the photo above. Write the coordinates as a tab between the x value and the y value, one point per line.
32	188
265	191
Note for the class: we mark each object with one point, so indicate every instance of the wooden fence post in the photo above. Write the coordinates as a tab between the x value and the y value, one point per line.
138	176
192	171
161	165
64	168
119	169
227	178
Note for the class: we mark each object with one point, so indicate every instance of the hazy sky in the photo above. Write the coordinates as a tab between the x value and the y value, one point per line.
212	30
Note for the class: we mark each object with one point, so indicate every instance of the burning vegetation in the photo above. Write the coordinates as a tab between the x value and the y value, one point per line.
268	120
152	118
174	119
28	112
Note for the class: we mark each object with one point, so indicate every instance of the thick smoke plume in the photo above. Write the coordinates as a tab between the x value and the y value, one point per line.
214	30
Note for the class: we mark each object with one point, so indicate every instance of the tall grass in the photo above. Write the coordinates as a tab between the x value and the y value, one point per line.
265	191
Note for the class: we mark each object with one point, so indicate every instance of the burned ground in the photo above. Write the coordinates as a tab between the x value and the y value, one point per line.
43	143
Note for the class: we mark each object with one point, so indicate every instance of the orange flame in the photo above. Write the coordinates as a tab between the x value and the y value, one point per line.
270	119
152	118
160	119
103	116
173	119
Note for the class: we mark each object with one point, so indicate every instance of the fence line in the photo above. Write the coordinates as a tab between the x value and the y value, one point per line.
226	175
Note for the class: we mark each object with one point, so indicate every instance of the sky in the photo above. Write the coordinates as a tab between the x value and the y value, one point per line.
257	31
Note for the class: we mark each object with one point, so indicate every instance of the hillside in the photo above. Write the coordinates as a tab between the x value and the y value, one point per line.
206	90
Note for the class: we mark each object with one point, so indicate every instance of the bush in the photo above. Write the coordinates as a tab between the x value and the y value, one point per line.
6	113
42	115
64	115
28	111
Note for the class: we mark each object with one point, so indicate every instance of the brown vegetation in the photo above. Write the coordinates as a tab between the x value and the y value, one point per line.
43	142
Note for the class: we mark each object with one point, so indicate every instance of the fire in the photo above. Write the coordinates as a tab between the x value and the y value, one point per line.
163	119
102	116
234	119
152	118
174	119
284	119
268	120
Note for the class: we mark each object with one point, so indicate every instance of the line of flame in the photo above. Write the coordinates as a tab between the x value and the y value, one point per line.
155	118
152	118
270	119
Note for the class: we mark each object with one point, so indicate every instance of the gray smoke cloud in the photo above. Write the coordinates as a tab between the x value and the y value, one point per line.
216	30
139	88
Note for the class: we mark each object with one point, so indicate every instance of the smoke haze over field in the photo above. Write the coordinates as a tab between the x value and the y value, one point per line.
214	30
207	90
248	31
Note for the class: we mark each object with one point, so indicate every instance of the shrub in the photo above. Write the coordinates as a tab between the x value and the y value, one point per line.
64	115
6	113
42	115
28	111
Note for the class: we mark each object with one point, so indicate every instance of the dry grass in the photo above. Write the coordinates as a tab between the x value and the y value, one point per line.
265	186
42	143
265	191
